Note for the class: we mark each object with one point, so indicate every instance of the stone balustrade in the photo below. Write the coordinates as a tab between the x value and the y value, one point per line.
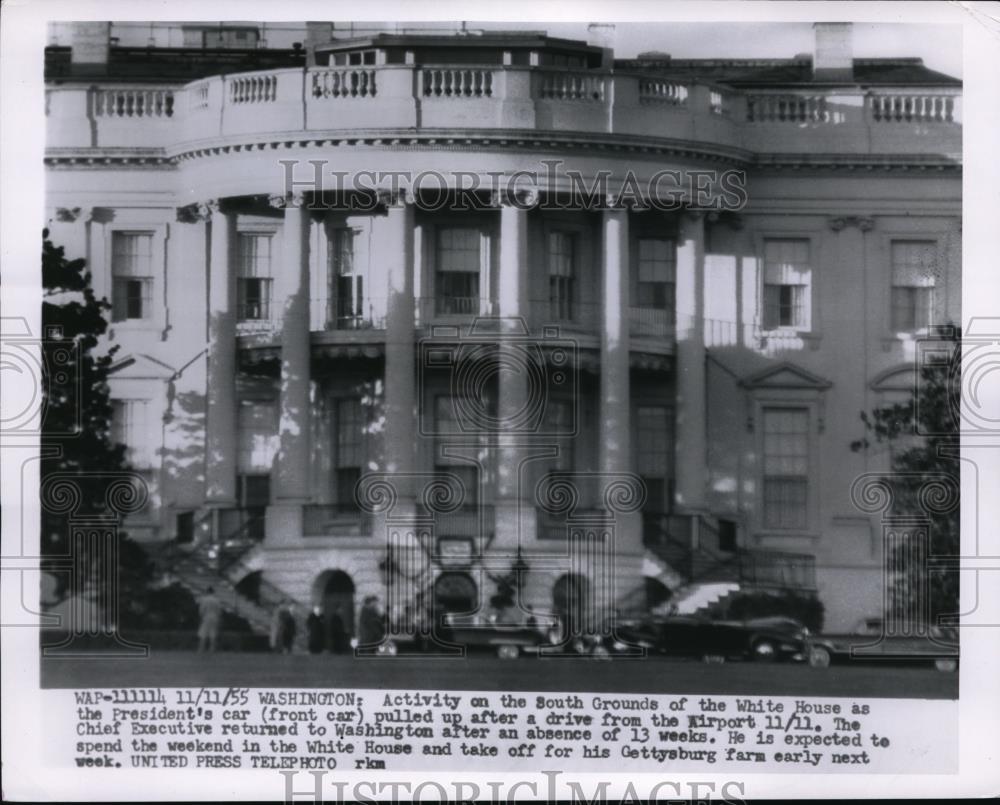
407	97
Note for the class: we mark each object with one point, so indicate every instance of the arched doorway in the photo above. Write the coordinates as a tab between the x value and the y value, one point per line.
455	592
656	592
571	601
333	591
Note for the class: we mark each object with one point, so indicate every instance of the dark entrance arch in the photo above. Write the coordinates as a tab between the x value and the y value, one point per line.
455	592
333	592
571	601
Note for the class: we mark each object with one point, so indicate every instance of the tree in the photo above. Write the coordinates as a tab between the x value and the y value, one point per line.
76	427
923	435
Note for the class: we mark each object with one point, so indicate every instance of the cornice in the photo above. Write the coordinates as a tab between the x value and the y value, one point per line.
515	141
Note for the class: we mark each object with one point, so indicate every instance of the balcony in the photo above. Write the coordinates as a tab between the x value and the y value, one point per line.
408	98
335	520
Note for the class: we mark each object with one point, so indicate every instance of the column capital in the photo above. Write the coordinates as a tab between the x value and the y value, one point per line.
395	198
69	214
199	211
518	199
283	201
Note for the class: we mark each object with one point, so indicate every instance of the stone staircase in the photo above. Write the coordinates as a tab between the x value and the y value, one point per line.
221	564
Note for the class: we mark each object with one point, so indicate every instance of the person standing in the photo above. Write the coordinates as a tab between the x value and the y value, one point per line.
210	613
371	627
338	632
316	629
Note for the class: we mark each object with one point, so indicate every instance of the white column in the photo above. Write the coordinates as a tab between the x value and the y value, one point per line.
221	415
615	452
400	370
691	444
512	382
294	424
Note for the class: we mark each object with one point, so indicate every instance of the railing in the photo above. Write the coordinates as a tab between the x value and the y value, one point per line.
653	90
912	108
567	86
253	89
787	109
552	527
130	103
334	520
345	83
337	314
791	571
721	333
475	522
198	97
432	306
567	314
456	82
648	321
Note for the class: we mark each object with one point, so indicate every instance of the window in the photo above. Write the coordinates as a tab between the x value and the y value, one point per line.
253	496
562	258
655	286
446	423
357	58
350	450
132	276
914	275
559	422
348	287
253	277
653	454
787	281
257	436
458	266
128	427
786	467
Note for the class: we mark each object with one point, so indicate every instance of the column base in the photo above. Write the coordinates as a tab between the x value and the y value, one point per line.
283	524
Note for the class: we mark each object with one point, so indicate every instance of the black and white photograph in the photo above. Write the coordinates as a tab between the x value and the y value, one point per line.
589	402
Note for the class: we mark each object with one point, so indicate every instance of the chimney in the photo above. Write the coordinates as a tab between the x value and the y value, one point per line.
89	44
602	34
317	34
833	53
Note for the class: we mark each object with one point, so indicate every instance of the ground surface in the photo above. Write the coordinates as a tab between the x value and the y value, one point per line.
483	672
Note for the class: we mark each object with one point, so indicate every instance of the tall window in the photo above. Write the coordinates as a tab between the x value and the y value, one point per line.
787	284
562	259
559	422
257	436
348	290
446	422
653	454
128	427
458	264
657	269
253	276
914	275
132	275
786	467
349	448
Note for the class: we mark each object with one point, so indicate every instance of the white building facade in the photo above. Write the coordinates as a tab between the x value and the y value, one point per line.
348	389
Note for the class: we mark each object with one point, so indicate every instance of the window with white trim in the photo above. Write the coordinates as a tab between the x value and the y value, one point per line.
257	436
653	454
348	285
786	467
655	284
458	268
562	281
131	276
349	448
914	277
254	281
447	422
128	427
787	299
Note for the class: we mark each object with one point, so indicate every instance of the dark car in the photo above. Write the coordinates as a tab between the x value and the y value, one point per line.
761	639
868	642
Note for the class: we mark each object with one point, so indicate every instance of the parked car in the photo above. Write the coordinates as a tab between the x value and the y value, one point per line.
867	642
766	639
508	640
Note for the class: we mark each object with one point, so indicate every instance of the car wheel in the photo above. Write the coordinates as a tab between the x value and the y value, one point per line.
946	665
764	651
819	657
508	652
